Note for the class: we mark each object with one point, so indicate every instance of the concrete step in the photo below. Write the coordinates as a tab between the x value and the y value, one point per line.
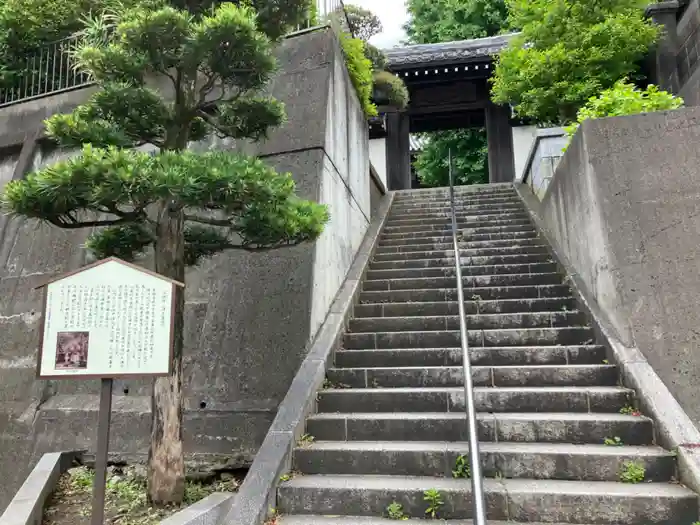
466	262
453	376
463	253
500	337
479	356
528	427
463	245
512	225
464	222
445	214
368	520
444	200
502	306
468	281
524	233
602	503
475	190
450	271
400	209
474	322
486	399
485	293
560	461
459	197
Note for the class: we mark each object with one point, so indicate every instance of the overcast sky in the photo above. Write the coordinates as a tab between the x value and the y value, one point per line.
393	15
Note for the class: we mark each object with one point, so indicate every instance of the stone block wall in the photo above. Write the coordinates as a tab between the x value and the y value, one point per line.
250	317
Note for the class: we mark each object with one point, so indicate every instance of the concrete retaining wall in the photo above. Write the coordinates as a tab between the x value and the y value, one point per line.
624	209
250	318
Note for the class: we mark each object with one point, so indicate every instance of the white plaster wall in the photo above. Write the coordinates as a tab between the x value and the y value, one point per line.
377	156
345	188
523	139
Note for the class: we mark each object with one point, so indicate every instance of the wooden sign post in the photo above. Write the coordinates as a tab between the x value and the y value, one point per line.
107	320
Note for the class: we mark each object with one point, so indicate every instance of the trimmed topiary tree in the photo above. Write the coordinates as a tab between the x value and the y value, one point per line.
182	205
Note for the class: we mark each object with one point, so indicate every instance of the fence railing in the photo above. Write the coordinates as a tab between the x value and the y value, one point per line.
53	68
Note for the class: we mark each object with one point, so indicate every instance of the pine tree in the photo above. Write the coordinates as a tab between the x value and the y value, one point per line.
184	206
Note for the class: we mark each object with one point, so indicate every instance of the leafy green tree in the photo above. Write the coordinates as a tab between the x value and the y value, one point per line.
469	154
181	205
364	24
624	98
433	21
567	52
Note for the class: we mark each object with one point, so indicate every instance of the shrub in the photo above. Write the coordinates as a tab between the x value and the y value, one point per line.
360	70
393	88
375	56
624	98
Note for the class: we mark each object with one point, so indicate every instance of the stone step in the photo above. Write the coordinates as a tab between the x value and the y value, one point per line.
486	399
513	225
528	427
464	253
484	293
444	198
464	222
445	216
575	335
453	376
503	306
463	245
450	271
467	262
468	281
471	220
369	520
560	461
430	205
479	356
524	233
601	503
474	322
418	195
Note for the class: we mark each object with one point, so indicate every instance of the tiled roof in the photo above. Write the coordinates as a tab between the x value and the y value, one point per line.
446	52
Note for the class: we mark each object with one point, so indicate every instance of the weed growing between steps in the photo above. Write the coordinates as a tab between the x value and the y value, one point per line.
462	469
613	442
632	472
435	502
125	502
395	512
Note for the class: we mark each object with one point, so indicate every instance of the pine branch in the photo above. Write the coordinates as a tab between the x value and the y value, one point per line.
209	221
61	223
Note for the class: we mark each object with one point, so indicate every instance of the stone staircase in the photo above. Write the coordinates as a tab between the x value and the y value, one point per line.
390	422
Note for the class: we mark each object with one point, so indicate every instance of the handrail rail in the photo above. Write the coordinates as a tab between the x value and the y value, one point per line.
479	507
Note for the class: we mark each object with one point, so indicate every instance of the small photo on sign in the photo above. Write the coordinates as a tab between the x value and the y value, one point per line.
72	350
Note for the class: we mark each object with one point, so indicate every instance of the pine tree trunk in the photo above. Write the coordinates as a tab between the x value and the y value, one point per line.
166	463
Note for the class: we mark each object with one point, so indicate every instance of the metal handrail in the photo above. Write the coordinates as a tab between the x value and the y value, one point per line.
479	507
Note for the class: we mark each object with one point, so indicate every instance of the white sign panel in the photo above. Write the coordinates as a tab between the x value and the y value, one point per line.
109	320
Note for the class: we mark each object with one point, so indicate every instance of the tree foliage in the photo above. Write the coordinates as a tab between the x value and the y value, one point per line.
469	153
360	71
624	98
210	70
363	23
393	88
569	51
434	21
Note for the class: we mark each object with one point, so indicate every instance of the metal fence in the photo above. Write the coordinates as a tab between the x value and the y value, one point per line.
53	68
50	70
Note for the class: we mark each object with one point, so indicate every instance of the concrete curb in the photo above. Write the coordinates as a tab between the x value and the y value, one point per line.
256	496
674	430
208	511
27	507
